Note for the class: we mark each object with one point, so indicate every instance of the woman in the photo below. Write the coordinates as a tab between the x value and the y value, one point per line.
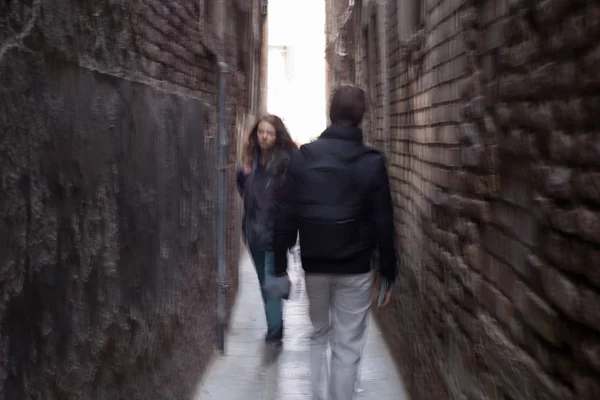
265	157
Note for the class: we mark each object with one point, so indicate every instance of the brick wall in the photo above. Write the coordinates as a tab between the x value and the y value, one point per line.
108	128
493	158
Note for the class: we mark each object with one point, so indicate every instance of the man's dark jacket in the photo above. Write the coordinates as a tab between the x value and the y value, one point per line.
376	228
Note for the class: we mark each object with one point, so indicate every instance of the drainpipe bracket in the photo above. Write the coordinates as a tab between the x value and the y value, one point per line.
223	67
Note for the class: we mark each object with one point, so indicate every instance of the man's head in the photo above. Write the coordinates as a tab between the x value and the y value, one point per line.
348	105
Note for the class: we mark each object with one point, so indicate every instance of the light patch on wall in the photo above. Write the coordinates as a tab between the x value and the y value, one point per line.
296	82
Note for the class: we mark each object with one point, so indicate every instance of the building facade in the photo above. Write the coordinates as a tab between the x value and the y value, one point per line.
108	181
487	113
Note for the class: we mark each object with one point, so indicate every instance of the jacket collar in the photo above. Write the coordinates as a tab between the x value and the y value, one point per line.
278	158
349	133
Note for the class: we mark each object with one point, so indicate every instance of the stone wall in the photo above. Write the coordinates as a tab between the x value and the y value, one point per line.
493	154
108	124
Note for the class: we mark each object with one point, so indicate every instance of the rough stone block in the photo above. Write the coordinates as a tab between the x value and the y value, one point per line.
590	312
587	387
514	219
553	247
562	292
520	55
565	220
591	255
471	156
591	351
587	185
506	279
474	256
469	133
573	113
494	302
476	209
542	207
555	181
543	79
506	248
574	32
539	117
520	375
515	5
537	314
589	224
587	148
534	267
550	12
561	147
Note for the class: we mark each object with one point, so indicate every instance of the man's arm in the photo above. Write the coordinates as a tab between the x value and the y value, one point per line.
285	229
383	214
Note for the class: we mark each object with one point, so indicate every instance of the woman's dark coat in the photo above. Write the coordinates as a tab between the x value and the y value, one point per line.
259	190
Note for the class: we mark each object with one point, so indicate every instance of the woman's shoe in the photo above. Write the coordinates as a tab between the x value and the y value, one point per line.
274	338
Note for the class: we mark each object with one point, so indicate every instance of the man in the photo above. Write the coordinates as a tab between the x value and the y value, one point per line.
337	197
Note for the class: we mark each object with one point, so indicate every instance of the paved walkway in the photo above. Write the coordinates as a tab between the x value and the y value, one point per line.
252	371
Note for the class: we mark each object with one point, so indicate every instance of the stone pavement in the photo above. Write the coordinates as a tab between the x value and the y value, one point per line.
252	371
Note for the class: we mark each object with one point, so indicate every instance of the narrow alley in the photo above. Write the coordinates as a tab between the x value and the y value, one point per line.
251	370
123	125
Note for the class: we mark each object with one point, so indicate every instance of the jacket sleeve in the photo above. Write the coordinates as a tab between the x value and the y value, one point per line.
383	215
240	180
285	227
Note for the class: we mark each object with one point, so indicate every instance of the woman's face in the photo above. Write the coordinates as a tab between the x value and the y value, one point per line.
266	135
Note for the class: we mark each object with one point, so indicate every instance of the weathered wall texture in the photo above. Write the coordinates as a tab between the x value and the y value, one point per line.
495	168
108	126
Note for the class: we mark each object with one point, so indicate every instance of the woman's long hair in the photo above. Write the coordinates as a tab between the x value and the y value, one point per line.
283	140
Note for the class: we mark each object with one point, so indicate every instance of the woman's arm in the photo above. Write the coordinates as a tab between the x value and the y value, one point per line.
241	178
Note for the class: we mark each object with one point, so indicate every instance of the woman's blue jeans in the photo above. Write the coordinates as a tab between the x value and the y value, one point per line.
264	263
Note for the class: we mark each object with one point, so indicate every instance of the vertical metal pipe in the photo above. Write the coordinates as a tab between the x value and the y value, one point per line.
264	62
222	209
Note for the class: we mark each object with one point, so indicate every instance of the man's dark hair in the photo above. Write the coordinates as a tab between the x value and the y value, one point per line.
348	105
